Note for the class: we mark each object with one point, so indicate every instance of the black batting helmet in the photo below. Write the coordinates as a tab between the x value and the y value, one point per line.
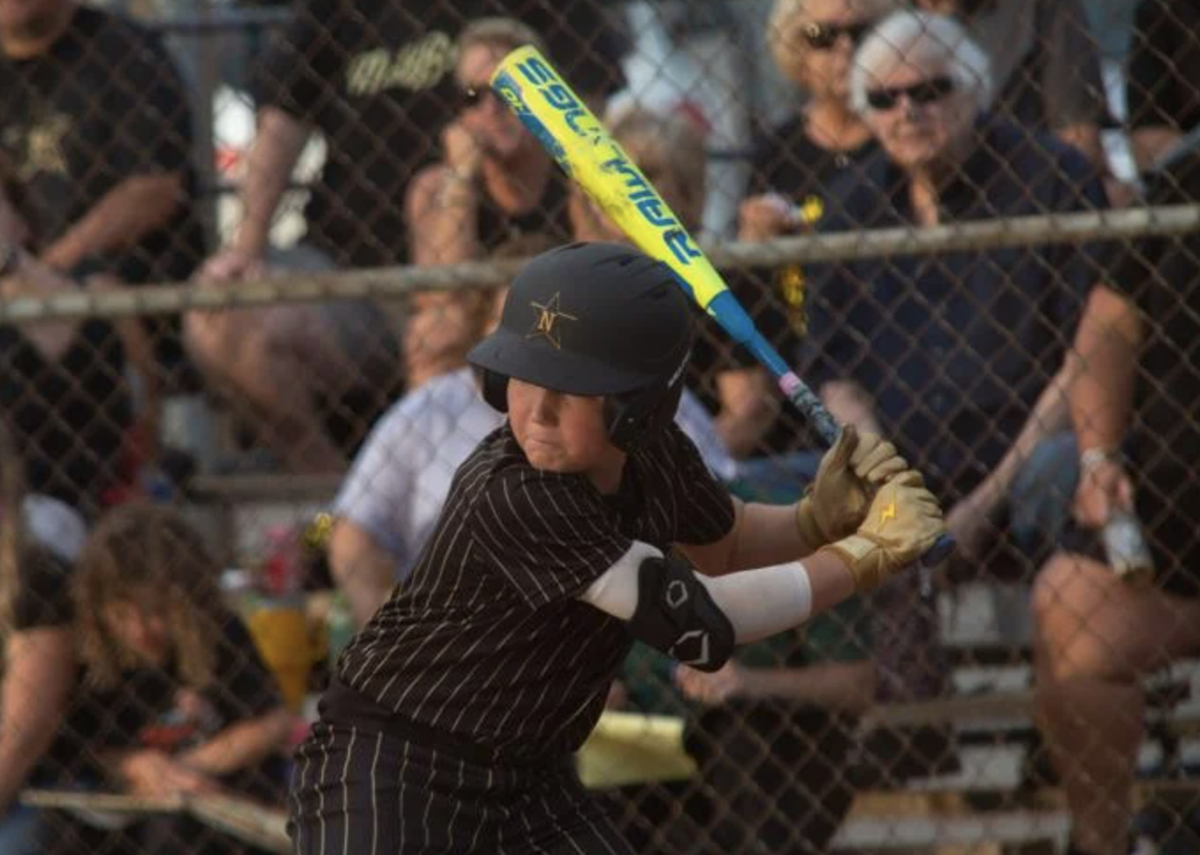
594	319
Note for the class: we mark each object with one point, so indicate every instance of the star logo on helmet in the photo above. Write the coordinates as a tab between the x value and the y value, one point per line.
546	324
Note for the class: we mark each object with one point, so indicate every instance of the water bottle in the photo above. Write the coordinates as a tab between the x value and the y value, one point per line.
1126	549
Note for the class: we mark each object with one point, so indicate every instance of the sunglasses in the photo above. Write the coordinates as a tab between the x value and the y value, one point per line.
474	96
824	36
925	92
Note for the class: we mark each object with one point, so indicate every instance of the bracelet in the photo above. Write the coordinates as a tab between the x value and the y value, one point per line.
1093	457
461	176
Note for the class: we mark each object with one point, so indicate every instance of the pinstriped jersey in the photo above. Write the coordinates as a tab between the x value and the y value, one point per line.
487	641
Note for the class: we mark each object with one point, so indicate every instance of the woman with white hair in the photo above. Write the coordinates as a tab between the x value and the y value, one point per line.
957	356
812	43
1045	63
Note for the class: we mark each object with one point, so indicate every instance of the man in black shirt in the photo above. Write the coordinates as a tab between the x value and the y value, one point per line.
453	715
95	120
1138	393
375	79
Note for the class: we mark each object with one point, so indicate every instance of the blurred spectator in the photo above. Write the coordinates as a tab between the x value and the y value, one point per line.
1163	77
375	80
309	378
188	705
62	383
952	355
96	121
496	180
39	537
957	357
1098	634
1045	65
774	738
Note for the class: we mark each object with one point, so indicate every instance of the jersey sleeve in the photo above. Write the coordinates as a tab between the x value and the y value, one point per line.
705	510
547	534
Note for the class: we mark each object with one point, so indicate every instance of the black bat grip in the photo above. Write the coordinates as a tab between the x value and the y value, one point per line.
812	408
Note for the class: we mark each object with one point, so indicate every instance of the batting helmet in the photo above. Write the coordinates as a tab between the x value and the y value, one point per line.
594	319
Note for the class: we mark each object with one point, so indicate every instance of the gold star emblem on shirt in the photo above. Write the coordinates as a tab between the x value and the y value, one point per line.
888	513
547	320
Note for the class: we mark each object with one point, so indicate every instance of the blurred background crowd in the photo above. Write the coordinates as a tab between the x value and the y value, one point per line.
197	506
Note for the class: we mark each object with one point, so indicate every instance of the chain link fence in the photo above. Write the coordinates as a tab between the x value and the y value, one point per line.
245	248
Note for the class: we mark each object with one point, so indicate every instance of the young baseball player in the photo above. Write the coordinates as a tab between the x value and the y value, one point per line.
586	521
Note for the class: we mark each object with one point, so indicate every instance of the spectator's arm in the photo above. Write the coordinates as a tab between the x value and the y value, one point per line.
749	406
362	569
1050	415
443	208
847	687
277	146
125	214
849	404
38	679
1101	397
240	745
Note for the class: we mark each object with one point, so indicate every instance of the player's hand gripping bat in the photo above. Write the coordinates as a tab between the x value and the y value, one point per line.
583	148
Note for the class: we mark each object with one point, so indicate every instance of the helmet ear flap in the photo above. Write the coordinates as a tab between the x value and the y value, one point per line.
495	390
632	417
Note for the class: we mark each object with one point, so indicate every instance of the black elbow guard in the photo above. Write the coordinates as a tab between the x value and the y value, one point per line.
677	616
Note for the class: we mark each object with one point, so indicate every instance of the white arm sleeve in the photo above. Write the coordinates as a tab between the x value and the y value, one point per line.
759	603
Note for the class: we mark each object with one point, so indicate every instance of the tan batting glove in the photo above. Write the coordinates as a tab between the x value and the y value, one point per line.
902	523
836	502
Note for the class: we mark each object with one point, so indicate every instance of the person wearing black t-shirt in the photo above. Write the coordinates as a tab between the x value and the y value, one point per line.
452	720
1136	411
62	383
95	119
39	537
184	702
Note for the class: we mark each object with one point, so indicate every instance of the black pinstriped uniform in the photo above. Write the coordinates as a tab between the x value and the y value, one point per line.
454	714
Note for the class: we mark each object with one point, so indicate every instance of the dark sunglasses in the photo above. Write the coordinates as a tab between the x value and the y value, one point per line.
824	36
925	92
473	96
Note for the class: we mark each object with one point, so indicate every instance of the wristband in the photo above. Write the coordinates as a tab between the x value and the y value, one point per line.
1094	457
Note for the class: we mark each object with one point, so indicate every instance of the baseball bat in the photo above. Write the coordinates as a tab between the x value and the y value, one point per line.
585	151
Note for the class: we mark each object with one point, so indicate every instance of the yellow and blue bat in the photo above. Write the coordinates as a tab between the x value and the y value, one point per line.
583	148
